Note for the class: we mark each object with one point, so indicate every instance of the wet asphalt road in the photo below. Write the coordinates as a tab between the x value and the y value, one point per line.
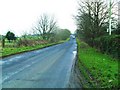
45	68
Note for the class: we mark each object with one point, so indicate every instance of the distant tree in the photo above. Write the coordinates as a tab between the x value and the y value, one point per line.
45	26
62	34
65	33
10	36
24	35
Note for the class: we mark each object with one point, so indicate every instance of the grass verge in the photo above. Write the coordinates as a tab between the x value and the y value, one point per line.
5	52
100	70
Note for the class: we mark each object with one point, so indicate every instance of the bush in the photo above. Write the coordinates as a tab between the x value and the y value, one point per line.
26	42
109	44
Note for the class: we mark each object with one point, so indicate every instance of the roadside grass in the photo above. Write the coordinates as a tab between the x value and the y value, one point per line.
99	69
7	51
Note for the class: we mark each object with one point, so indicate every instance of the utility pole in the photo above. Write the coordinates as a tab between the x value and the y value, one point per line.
110	13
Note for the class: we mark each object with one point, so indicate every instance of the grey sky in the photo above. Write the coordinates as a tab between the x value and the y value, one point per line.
20	16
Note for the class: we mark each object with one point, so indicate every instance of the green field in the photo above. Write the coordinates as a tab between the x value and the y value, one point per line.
99	69
10	50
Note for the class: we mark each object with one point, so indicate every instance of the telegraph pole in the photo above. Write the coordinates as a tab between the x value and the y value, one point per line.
110	13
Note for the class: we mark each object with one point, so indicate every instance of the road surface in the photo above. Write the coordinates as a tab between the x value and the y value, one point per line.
45	68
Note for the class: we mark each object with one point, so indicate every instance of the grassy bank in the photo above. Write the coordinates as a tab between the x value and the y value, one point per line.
16	50
98	69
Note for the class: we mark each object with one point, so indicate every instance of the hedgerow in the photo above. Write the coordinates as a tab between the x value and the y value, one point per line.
109	45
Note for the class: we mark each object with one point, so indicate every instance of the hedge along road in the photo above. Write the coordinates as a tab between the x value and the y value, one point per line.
45	68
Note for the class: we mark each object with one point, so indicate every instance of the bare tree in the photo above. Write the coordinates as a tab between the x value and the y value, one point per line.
45	26
92	18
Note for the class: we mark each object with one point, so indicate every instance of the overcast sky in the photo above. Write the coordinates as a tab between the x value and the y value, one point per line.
20	16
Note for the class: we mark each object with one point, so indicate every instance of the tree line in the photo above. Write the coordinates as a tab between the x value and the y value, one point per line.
92	24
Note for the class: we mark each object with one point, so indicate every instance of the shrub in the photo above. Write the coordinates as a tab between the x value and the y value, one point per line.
109	44
26	42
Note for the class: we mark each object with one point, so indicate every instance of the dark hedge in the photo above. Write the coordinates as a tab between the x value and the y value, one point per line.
109	45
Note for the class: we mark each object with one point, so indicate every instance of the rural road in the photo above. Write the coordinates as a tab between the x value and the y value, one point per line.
45	68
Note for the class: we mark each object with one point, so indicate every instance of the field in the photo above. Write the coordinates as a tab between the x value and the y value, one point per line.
11	48
99	69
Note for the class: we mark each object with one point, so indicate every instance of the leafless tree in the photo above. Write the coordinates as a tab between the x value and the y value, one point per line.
45	26
92	18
